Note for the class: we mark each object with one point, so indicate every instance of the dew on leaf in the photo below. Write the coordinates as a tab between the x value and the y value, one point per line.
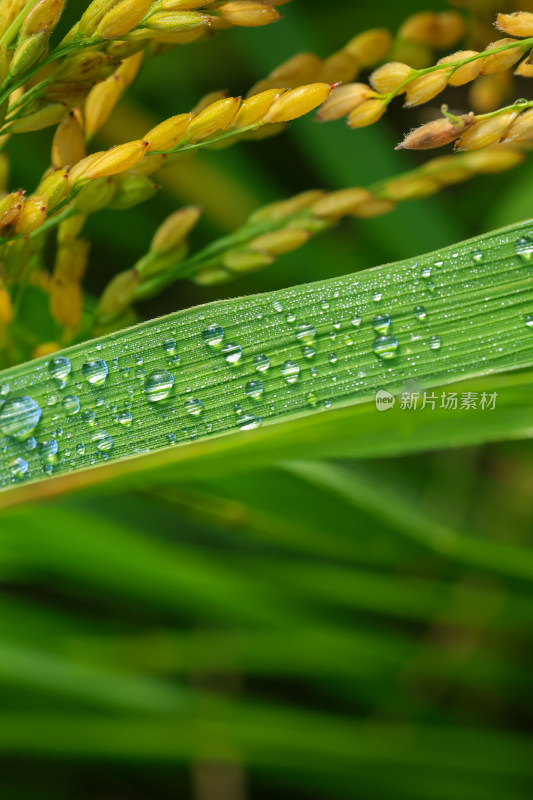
306	333
248	422
434	342
18	467
194	406
261	362
254	389
60	368
158	385
95	372
290	371
71	404
385	347
213	336
103	441
232	352
19	416
524	249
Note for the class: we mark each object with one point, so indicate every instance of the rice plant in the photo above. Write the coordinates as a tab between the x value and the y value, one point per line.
265	399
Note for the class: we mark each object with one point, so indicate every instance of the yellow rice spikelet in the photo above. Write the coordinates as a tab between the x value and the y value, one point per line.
175	229
248	13
116	160
32	215
425	88
366	113
122	18
500	62
216	117
519	23
46	116
344	99
278	242
411	187
100	103
44	16
68	145
301	68
338	204
177	21
297	102
45	349
466	73
339	67
486	131
282	209
168	133
389	77
521	129
370	47
254	108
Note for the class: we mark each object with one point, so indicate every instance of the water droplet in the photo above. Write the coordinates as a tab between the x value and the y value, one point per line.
377	296
80	449
420	313
313	372
232	353
381	323
125	418
175	360
30	444
48	450
158	385
213	336
348	340
18	467
254	389
19	416
261	362
277	306
308	352
529	321
434	342
312	399
332	358
356	321
248	422
194	406
324	306
426	272
385	346
125	371
306	333
524	249
290	371
327	404
95	372
291	317
103	441
170	346
71	404
4	389
477	256
171	438
89	417
60	367
237	407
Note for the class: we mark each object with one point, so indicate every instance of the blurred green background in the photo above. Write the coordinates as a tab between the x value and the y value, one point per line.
296	631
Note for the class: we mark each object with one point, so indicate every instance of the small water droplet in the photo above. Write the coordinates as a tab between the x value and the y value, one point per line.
261	362
290	371
524	249
348	340
381	323
308	352
324	306
71	404
80	449
248	422
420	313
426	272
31	443
385	346
170	346
4	389
291	317
172	438
306	333
125	371
529	321
125	418
312	399
48	450
356	321
434	342
158	385
213	336
194	406
60	367
95	372
254	389
232	352
103	441
377	297
332	358
89	417
277	306
237	407
477	256
19	416
18	467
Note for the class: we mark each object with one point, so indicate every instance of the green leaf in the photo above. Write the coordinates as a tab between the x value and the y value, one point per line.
458	313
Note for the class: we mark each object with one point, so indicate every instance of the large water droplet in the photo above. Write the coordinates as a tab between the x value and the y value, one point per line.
254	389
420	313
385	346
277	306
306	333
60	368
103	441
125	418
434	342
332	358
529	321
80	449
524	249
232	352
89	417
261	363
194	406
308	352
158	385
19	416
477	256
290	371
71	404
170	346
381	323
213	335
95	372
18	467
